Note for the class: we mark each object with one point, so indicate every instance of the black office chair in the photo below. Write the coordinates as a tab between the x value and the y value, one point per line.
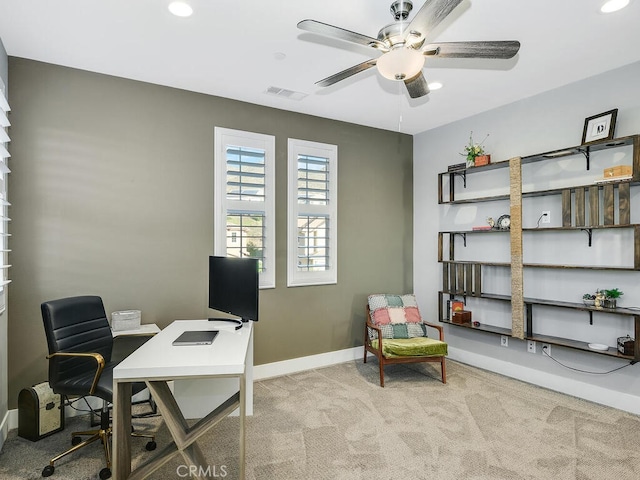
80	345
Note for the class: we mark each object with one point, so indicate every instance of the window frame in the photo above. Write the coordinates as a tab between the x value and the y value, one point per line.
296	277
224	137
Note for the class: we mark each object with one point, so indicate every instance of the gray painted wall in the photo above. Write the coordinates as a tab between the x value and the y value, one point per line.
4	68
546	122
112	193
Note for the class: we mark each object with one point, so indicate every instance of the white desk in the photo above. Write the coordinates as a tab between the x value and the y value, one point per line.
157	362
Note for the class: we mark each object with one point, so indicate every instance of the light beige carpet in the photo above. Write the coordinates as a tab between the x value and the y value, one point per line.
337	423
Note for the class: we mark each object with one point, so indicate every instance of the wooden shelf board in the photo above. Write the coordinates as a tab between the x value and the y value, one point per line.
545	265
577	345
488	296
551	303
578	228
483	327
545	229
554	154
579	267
484	264
539	193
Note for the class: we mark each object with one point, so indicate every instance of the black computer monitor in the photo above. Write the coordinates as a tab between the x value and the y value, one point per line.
233	286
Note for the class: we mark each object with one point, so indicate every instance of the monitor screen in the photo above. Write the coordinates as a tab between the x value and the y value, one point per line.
233	286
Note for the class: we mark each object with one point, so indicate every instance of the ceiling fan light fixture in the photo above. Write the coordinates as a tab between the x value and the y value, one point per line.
400	63
180	9
614	6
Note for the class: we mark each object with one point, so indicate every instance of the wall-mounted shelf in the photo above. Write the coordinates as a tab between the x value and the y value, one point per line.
585	150
587	208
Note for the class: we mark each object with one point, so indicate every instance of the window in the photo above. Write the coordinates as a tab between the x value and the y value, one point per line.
4	204
244	210
313	207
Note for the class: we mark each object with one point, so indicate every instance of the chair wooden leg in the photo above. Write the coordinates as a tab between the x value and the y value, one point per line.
444	370
381	365
365	353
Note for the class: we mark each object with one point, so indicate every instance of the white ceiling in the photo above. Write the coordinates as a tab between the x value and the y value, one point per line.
228	48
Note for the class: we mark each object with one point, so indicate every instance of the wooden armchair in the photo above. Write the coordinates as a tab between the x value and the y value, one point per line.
395	333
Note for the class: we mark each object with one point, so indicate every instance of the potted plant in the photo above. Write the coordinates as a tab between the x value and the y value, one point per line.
475	153
611	296
589	299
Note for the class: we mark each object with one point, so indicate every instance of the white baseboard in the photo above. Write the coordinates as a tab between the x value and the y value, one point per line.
285	367
575	388
4	428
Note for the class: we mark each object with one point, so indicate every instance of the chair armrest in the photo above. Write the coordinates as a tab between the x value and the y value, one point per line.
437	327
96	356
376	329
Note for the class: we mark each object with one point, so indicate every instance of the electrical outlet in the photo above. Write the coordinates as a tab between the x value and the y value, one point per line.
546	349
546	216
531	346
504	341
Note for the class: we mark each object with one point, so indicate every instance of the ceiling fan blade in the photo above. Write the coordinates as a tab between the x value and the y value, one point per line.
417	86
498	49
429	16
342	34
361	67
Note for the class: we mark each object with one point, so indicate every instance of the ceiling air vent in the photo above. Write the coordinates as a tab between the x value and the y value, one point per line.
284	93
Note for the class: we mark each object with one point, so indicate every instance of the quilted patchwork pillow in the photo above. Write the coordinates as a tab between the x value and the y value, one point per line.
397	316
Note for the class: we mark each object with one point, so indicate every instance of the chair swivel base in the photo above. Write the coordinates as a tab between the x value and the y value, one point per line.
104	435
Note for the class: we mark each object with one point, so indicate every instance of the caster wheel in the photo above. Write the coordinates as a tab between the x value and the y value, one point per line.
150	446
48	471
75	441
105	473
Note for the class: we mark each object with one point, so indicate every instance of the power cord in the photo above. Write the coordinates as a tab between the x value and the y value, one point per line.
538	224
544	352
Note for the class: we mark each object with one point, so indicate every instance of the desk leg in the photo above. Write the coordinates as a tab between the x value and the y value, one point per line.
243	415
121	467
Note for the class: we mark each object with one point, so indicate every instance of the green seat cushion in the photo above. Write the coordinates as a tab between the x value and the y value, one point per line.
411	347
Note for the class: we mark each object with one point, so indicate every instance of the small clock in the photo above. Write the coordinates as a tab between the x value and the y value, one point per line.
504	222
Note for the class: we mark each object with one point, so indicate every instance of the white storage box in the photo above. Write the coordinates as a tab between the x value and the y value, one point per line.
125	320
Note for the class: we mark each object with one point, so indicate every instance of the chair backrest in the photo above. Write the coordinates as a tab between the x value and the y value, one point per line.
75	324
397	316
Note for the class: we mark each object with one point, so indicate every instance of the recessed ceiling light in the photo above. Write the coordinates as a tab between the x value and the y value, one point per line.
614	6
180	9
435	86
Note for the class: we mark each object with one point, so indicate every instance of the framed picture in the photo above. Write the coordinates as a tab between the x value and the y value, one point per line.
599	127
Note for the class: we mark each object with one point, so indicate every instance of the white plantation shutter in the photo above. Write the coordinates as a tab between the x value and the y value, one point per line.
4	203
312	207
244	210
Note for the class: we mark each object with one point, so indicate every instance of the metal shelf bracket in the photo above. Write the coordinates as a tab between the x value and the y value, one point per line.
464	237
587	154
589	232
462	174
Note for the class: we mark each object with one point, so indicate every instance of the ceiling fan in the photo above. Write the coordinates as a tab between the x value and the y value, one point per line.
403	45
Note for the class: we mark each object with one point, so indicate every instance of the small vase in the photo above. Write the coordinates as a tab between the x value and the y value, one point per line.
609	303
470	162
